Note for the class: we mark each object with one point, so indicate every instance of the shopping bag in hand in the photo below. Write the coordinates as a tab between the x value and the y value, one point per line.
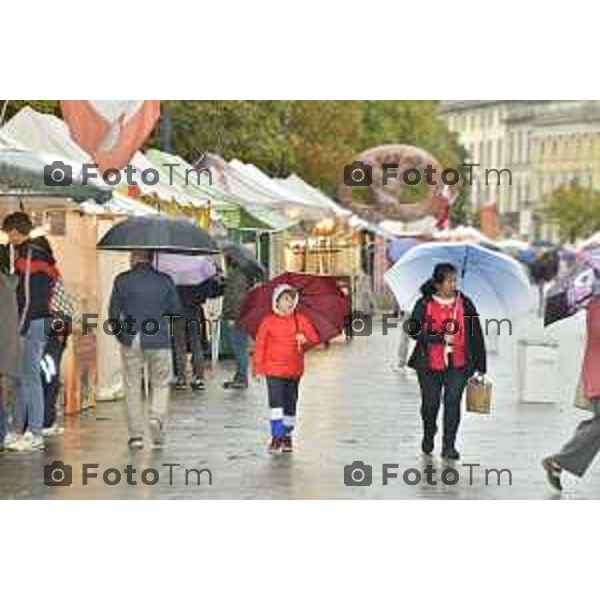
479	395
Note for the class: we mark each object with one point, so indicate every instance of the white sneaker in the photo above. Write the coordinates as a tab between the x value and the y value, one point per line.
53	431
21	444
28	436
13	442
37	442
11	438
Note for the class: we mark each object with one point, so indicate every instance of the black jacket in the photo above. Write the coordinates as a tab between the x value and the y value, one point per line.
42	277
474	342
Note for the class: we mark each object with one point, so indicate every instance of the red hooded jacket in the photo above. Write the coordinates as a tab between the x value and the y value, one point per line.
277	353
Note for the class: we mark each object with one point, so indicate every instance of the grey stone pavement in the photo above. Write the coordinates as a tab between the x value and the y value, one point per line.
354	406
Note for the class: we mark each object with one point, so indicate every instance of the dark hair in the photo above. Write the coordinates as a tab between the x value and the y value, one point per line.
20	221
440	273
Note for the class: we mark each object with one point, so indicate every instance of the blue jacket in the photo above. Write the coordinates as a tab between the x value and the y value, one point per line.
142	294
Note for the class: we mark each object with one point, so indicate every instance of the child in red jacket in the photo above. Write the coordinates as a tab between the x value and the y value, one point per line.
283	337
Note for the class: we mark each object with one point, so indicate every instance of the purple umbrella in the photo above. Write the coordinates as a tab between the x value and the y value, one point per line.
186	270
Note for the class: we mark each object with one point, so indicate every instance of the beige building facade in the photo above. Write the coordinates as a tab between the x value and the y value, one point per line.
544	145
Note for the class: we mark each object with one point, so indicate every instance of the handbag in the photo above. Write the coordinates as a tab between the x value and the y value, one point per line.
63	303
479	395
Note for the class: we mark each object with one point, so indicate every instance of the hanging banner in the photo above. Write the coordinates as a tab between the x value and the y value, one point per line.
111	131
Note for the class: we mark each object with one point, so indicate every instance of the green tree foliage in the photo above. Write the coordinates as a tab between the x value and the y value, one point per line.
44	106
575	210
314	139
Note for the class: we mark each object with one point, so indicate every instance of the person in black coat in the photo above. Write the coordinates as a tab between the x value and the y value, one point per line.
449	349
190	330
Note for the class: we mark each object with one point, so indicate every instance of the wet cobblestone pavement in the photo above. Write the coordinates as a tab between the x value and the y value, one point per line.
354	406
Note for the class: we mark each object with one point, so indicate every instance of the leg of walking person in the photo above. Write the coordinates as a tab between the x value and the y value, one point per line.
276	390
29	407
179	352
455	381
195	337
290	404
238	341
159	367
133	364
579	452
430	383
50	365
240	344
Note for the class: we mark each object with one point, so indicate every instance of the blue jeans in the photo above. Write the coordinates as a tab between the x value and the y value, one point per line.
238	340
30	394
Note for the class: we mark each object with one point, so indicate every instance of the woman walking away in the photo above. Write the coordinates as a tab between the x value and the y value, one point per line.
283	337
449	349
579	452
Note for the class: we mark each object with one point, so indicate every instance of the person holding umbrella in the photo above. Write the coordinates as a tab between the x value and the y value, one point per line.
140	304
283	338
288	315
449	349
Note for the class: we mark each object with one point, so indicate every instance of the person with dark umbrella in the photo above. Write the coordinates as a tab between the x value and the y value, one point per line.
141	303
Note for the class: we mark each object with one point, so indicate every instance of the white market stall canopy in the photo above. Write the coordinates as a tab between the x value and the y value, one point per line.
299	187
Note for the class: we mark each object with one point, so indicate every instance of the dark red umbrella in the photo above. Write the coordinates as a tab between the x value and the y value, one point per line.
320	299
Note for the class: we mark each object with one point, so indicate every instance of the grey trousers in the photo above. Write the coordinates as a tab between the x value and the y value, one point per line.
159	375
579	452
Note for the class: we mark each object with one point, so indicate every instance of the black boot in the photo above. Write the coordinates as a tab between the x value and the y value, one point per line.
427	444
450	452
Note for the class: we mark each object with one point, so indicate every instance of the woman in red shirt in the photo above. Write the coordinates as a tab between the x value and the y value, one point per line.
283	338
450	349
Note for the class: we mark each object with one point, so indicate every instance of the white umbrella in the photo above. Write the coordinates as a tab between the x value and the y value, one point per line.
496	282
186	270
